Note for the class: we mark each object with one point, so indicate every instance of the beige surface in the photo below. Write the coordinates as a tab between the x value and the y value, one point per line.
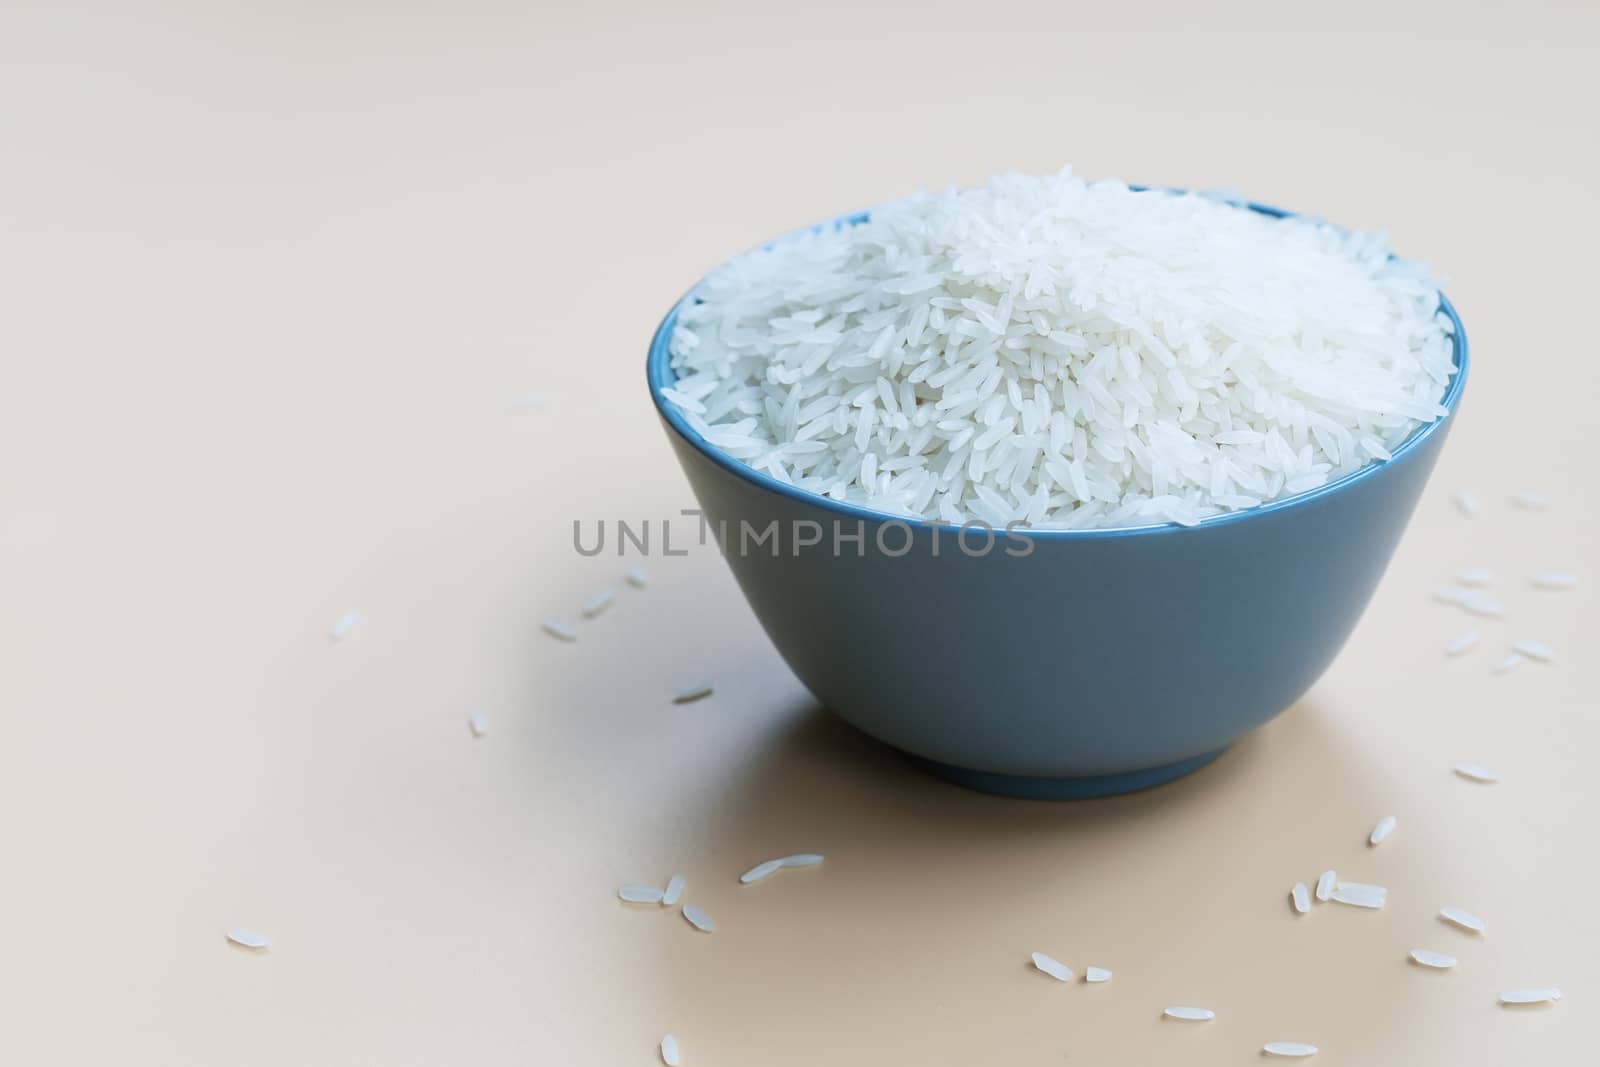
269	283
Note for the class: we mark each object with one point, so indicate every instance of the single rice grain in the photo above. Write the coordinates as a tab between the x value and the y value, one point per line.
344	624
1188	1014
1464	919
560	630
249	938
1053	967
1289	1048
1428	958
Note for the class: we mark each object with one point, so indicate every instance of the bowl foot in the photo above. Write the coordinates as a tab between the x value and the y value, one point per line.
1031	788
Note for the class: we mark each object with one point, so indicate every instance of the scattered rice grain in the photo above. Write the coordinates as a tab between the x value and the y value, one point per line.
759	871
1189	1014
669	1051
1535	650
1464	919
1554	580
1530	501
1531	996
1358	895
640	894
598	603
1466	503
674	891
1288	1048
698	919
1300	897
1096	974
558	629
637	577
477	724
344	624
1053	967
1479	577
1462	644
249	938
801	859
1437	960
1381	832
1477	772
692	693
1325	883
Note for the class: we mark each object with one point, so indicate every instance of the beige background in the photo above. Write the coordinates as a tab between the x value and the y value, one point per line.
275	281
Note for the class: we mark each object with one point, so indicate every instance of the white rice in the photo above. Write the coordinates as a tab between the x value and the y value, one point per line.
637	577
1462	644
1477	772
1535	650
477	724
1300	897
1197	1015
1484	606
1530	501
698	919
760	871
669	1051
1464	919
558	629
344	624
1053	967
692	693
1466	503
1065	354
1288	1048
1509	664
1325	883
1437	960
1477	577
1096	974
1358	895
249	938
598	603
640	894
674	891
1554	580
1381	832
802	859
1531	996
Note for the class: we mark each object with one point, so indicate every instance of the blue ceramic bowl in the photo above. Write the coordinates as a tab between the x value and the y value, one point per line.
1063	663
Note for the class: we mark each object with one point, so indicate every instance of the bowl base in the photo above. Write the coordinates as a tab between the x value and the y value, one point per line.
1031	788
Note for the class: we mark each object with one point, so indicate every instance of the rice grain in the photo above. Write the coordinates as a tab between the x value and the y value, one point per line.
1053	967
1464	919
1288	1048
1197	1015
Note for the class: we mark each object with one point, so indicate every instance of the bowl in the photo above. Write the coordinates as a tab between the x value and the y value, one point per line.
1065	663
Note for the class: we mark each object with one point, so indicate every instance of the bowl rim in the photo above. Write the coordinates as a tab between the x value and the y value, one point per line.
659	374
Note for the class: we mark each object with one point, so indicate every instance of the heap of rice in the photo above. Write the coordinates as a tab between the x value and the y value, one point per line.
1064	354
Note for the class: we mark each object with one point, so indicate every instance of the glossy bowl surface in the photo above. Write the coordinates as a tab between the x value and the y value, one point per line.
1057	663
